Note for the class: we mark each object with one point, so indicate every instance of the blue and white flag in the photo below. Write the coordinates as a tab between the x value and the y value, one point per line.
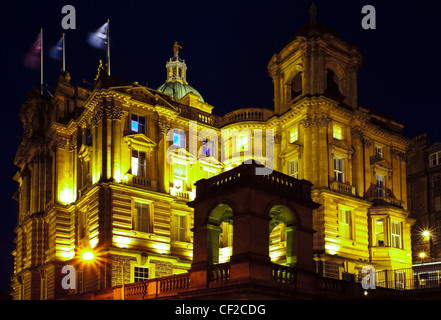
98	39
56	52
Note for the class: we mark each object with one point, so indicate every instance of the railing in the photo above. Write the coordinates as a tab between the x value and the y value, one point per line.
248	173
142	182
248	114
387	201
135	290
219	272
174	283
343	187
283	274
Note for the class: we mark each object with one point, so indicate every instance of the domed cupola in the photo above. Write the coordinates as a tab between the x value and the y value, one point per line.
176	84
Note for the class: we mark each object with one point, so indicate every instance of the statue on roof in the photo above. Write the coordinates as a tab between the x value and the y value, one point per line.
313	14
176	48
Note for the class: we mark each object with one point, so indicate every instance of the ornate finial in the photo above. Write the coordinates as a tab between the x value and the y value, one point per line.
101	70
313	14
176	48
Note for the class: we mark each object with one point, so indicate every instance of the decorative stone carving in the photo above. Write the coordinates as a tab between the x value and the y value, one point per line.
163	126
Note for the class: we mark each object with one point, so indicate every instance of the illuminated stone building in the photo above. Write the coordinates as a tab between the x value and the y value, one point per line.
111	170
424	196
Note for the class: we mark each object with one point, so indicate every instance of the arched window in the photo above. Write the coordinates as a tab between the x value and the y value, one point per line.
296	86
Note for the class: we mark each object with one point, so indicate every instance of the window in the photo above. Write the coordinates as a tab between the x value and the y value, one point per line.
436	181
396	235
293	135
139	163
379	232
180	228
379	152
226	235
207	174
293	168
399	280
179	138
337	132
437	202
138	123
141	217
346	223
208	147
339	169
141	274
242	142
179	176
381	189
435	159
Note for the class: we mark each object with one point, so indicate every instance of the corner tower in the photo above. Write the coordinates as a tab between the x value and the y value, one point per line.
316	61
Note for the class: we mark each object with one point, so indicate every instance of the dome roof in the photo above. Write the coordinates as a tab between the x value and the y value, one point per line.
178	90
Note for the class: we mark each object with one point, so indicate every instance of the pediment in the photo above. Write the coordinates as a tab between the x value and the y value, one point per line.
209	161
341	144
139	139
291	148
382	164
180	154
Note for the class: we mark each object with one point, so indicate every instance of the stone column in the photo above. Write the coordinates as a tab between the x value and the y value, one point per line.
162	172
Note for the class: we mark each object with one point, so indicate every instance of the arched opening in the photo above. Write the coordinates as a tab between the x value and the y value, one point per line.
283	236
296	86
332	87
220	234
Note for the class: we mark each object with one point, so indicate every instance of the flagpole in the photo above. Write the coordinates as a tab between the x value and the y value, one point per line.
108	47
41	61
64	62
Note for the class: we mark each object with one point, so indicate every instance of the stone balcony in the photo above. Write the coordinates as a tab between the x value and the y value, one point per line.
343	188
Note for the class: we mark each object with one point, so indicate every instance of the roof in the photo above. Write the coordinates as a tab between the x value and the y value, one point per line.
178	90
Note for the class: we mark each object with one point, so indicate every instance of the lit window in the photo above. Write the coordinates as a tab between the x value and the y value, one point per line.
141	217
293	135
226	235
139	163
179	138
435	159
379	152
180	228
141	274
337	132
242	142
400	279
396	235
339	169
180	171
346	223
208	147
293	168
207	174
381	189
379	232
138	123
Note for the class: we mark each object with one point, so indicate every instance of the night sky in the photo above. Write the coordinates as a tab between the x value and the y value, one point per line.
227	46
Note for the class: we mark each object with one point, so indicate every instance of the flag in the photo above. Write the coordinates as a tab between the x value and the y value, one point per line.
32	58
56	52
98	39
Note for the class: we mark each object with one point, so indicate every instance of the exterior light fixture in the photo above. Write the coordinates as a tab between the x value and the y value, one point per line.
88	256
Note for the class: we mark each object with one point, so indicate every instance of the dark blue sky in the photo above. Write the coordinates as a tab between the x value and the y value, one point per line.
227	46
